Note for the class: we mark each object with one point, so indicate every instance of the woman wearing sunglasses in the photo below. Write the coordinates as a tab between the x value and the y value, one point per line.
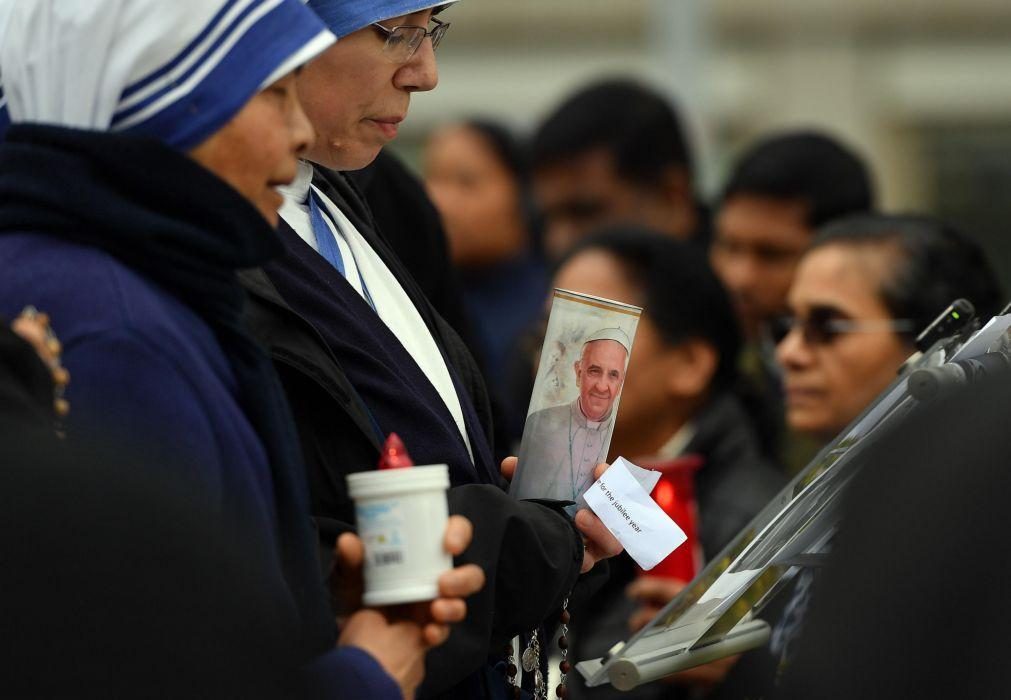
864	290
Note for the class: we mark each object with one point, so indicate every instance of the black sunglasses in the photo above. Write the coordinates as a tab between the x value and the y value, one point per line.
824	324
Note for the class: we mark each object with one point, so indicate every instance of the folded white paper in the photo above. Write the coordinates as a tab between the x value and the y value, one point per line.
621	500
647	478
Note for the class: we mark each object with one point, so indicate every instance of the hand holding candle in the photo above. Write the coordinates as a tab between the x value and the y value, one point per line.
401	514
398	637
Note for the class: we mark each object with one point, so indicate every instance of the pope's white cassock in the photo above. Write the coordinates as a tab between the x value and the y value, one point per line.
560	449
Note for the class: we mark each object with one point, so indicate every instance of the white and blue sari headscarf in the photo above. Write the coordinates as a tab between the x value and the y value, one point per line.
345	16
177	70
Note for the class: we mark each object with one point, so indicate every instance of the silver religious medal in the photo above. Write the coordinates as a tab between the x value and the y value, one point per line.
529	659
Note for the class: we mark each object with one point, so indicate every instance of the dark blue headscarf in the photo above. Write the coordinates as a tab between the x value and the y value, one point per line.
345	16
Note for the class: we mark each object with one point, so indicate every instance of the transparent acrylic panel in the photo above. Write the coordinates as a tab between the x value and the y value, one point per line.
801	520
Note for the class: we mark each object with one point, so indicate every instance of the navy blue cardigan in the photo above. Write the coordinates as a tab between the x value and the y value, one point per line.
96	229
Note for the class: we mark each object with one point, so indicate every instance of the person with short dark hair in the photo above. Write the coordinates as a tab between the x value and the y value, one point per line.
682	368
778	193
868	285
677	401
935	263
614	152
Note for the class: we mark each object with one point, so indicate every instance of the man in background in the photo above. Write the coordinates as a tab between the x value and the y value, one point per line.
614	152
779	192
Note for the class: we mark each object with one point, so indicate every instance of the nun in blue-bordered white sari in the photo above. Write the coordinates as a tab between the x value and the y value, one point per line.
131	246
362	352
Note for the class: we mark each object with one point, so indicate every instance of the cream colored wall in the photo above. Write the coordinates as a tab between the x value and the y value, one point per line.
870	71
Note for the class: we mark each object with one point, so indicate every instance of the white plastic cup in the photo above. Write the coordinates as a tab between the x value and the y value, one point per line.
402	515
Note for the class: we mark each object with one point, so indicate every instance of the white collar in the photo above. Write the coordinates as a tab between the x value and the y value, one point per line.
298	191
581	419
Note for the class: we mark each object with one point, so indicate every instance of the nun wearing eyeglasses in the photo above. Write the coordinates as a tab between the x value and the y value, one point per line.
362	353
139	170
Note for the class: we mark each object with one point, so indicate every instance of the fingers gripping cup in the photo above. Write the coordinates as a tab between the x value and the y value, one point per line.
402	515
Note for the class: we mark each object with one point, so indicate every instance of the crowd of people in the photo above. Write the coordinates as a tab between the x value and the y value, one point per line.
773	316
221	297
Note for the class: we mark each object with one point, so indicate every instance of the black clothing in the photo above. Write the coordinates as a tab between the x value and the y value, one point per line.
736	481
26	384
412	227
116	584
530	552
396	391
702	237
913	602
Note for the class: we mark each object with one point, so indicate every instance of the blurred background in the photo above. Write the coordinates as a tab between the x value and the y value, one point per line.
922	88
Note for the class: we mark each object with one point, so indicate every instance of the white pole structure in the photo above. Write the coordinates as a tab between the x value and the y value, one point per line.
679	42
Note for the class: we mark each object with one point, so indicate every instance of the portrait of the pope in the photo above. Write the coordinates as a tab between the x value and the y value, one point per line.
562	444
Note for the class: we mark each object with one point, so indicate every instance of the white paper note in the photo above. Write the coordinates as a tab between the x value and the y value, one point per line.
624	506
647	478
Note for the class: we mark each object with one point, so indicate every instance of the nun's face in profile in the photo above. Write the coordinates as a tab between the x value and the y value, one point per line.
356	96
258	150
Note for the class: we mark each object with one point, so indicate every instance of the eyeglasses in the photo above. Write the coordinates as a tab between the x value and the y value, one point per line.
823	325
403	41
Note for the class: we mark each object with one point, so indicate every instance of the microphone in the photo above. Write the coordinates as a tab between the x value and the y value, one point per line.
930	382
951	321
954	319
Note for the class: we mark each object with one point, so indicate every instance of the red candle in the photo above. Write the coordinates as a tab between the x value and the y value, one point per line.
675	494
394	454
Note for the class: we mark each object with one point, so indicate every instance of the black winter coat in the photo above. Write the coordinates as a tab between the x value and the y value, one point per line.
530	552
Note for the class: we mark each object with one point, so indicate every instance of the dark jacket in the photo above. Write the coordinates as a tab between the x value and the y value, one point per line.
412	227
530	552
134	262
736	480
913	601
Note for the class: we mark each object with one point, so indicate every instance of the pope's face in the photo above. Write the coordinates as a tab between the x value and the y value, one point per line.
600	373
